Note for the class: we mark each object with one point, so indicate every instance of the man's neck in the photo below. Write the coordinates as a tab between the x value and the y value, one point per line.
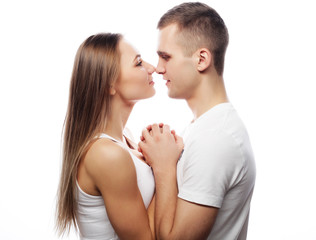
210	93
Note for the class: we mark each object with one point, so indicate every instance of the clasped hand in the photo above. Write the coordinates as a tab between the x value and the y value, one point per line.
161	147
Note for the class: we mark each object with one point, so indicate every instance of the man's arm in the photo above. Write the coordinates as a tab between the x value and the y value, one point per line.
177	218
174	218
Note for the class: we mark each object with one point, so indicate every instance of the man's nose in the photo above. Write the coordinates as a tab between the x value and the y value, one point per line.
160	69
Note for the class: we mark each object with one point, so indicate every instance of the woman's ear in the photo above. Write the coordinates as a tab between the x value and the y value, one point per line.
112	91
204	59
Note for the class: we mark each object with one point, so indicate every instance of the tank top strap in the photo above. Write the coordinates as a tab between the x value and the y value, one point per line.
103	135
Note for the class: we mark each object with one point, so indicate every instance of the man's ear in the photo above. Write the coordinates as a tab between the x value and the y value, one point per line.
204	59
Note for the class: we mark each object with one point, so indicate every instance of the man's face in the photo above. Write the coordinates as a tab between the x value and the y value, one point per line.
179	70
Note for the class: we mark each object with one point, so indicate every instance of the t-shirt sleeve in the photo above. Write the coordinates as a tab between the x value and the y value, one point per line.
213	164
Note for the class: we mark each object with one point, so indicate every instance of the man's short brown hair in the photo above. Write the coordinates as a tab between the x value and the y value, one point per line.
199	26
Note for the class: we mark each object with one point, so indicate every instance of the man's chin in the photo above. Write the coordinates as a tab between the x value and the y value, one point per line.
173	96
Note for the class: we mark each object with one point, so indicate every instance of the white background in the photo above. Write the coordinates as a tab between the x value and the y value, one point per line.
270	78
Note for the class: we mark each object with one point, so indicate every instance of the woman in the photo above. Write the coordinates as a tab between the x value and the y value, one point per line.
105	185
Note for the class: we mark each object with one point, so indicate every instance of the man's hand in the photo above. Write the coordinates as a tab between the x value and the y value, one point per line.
161	147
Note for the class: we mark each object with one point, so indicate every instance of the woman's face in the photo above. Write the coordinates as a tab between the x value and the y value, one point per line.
135	81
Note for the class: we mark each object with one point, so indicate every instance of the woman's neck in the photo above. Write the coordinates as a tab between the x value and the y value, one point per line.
117	119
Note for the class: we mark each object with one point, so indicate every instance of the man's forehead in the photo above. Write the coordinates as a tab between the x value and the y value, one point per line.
168	32
167	39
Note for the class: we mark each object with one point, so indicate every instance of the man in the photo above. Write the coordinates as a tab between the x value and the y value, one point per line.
207	193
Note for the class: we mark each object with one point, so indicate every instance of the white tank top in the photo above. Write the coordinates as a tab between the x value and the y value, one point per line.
92	218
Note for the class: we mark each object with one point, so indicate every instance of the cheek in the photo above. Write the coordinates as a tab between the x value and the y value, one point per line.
137	79
134	84
184	74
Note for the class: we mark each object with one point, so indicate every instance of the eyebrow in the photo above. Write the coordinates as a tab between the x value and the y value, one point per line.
160	53
137	56
164	54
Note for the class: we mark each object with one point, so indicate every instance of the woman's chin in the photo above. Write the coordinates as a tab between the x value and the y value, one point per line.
151	93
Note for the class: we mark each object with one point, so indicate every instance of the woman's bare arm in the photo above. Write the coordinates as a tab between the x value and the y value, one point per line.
113	172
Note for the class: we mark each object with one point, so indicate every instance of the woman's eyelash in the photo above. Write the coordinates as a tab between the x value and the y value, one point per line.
139	63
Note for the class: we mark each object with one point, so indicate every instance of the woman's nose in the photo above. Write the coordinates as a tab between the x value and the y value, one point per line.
150	68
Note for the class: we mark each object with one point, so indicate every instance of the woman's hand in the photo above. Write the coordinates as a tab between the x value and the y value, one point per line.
161	147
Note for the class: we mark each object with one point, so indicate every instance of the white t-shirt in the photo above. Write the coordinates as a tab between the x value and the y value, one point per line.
92	218
217	169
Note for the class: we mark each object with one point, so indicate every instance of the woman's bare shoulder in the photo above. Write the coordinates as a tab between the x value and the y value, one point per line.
106	157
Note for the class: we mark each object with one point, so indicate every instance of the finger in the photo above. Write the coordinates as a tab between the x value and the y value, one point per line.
155	129
166	128
139	149
141	146
180	142
173	132
149	127
145	134
161	127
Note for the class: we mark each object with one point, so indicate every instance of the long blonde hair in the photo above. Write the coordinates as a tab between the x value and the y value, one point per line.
96	68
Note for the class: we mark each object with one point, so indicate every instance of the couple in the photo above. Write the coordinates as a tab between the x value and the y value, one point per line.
111	188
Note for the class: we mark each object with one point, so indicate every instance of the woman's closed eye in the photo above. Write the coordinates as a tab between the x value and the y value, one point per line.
139	63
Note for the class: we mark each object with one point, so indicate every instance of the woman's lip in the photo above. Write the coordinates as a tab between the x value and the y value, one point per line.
151	82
